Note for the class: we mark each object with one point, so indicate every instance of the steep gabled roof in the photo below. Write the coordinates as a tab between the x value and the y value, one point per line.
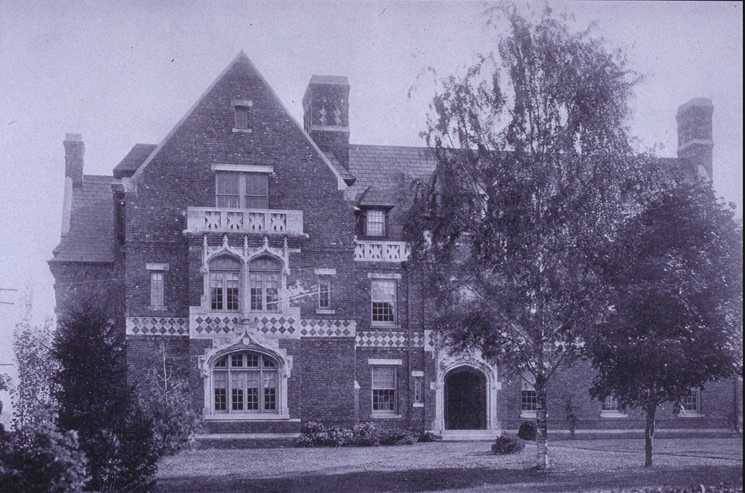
383	168
243	61
91	235
134	158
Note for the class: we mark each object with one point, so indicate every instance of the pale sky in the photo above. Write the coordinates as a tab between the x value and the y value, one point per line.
121	73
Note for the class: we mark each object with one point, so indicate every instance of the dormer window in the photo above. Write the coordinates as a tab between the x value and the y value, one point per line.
242	113
375	222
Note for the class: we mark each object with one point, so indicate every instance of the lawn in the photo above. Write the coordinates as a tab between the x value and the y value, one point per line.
577	465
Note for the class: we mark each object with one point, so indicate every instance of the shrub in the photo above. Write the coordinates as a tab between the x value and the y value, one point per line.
397	437
429	436
41	460
317	435
366	434
507	445
527	431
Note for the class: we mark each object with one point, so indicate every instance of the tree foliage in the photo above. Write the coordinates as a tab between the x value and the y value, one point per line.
166	398
675	323
534	170
96	401
34	401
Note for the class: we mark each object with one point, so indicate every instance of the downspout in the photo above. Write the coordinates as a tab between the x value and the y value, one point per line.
410	400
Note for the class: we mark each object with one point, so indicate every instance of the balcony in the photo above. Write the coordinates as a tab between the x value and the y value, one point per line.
381	251
257	221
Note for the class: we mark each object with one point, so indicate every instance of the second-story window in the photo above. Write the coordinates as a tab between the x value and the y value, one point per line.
225	275
383	297
264	276
324	293
157	287
242	190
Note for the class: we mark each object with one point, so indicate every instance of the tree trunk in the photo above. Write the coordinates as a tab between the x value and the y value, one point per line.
649	434
541	435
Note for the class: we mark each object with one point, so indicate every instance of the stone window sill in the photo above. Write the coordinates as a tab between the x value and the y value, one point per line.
613	414
157	308
242	130
325	311
385	416
528	414
383	325
247	417
690	414
418	404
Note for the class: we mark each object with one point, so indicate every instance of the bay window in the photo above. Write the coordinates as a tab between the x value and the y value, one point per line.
264	276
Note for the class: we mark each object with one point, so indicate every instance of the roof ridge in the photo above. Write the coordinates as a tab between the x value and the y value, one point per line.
390	146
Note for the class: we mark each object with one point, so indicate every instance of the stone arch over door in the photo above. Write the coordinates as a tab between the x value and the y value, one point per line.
464	405
445	362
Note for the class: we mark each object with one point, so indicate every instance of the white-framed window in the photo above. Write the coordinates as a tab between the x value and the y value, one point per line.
242	190
245	382
157	289
383	301
375	222
528	398
384	390
691	405
324	292
224	283
610	403
264	280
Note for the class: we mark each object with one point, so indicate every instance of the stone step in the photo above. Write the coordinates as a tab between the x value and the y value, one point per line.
246	440
468	435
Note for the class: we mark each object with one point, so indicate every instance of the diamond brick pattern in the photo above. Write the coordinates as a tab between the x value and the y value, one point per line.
157	326
206	325
388	339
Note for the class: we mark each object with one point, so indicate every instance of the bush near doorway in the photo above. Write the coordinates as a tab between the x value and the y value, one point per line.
362	435
527	431
507	445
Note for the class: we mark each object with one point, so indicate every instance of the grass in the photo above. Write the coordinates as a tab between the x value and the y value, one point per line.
576	465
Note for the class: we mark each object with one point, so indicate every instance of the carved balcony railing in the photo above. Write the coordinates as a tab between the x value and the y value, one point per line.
381	251
259	221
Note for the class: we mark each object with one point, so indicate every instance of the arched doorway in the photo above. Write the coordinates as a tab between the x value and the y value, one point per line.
465	399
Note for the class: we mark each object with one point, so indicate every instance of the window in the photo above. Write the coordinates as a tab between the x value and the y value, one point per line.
242	112
692	403
225	274
610	403
157	287
249	379
242	190
264	277
383	295
324	293
418	390
528	398
384	389
375	222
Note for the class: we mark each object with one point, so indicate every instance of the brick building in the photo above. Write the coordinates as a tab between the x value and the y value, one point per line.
266	259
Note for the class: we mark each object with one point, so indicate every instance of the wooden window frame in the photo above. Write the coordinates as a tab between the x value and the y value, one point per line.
394	389
241	180
394	308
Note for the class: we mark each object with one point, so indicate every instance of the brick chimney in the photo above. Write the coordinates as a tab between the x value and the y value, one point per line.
326	115
74	151
695	134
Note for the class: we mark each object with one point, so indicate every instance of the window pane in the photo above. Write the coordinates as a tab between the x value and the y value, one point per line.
382	312
375	225
241	117
252	391
220	384
231	290
272	299
256	299
324	293
384	400
227	190
252	360
270	390
236	360
257	184
691	402
268	362
610	404
418	389
528	400
383	290
384	377
156	289
221	363
237	386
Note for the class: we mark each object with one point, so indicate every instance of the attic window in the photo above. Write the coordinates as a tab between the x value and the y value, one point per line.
242	113
375	222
